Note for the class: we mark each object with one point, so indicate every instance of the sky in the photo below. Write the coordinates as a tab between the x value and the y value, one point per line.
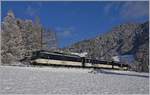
80	20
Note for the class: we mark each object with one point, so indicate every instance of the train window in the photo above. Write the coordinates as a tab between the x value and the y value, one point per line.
34	54
41	55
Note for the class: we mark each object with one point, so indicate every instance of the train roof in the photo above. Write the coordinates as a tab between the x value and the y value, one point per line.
58	53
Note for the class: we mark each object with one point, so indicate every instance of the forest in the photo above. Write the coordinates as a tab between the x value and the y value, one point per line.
19	38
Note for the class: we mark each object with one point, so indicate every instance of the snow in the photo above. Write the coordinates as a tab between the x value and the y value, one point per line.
50	80
127	59
82	54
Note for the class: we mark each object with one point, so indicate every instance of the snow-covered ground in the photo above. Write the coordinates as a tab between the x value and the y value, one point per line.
48	80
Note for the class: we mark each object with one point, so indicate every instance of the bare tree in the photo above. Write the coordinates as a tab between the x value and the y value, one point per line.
49	40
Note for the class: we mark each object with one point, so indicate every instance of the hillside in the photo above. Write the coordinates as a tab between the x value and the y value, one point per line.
124	39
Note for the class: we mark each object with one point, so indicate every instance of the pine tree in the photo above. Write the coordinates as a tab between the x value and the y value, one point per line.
11	39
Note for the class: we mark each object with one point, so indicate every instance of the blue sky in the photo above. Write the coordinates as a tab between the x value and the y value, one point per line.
75	21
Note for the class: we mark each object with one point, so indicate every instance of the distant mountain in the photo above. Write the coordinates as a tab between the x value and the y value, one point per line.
124	39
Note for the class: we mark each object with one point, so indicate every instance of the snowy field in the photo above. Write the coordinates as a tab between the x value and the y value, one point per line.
48	80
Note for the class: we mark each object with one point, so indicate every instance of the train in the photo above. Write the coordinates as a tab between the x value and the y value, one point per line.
43	57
